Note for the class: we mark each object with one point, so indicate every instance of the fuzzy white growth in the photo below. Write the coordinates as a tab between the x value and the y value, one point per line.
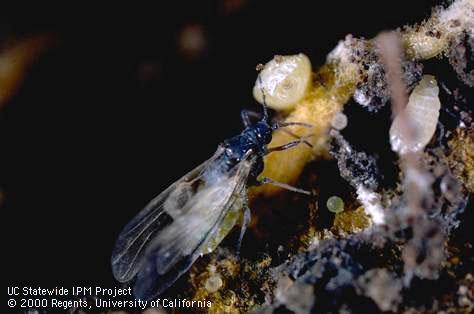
371	202
285	81
343	52
422	112
361	98
461	11
345	56
444	24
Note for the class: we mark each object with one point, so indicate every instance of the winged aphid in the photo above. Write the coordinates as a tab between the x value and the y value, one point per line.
193	215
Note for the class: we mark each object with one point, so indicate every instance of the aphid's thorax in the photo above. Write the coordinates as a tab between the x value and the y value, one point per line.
253	139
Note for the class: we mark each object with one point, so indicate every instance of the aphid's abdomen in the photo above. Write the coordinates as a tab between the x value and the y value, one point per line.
422	112
225	227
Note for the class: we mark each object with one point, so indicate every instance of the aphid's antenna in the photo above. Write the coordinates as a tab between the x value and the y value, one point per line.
297	137
265	107
278	125
266	180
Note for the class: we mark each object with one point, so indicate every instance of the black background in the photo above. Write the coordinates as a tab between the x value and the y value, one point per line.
87	141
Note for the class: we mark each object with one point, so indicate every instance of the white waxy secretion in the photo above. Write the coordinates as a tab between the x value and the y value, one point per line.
284	80
422	113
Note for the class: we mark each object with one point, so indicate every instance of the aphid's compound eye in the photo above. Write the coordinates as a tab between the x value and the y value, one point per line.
268	137
284	80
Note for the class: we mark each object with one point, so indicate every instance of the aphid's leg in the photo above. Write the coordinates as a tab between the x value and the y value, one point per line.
446	89
246	114
285	124
266	180
282	125
297	136
245	222
441	134
453	115
288	145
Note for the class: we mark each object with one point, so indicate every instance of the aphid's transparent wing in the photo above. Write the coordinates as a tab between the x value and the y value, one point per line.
177	246
129	250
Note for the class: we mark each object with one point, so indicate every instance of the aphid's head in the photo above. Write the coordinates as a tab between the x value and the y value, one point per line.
263	132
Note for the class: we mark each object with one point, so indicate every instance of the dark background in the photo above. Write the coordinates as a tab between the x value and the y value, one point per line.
116	110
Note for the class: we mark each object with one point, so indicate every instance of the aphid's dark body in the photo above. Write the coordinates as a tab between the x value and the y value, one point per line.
252	140
191	216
